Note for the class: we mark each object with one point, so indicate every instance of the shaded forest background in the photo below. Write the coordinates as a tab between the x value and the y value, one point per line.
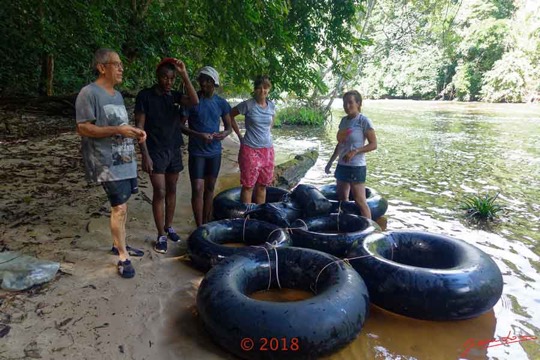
469	50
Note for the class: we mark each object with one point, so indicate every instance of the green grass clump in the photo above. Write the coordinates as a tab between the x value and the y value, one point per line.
300	115
481	207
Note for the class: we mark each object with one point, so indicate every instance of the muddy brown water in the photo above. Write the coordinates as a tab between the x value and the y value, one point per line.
430	156
281	295
235	245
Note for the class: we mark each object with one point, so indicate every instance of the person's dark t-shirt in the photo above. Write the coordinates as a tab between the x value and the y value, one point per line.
162	118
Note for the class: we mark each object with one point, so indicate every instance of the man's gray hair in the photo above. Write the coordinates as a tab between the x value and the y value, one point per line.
101	56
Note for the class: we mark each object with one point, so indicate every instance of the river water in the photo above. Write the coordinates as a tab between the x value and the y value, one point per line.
430	156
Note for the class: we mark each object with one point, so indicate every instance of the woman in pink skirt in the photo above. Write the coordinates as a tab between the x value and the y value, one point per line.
256	157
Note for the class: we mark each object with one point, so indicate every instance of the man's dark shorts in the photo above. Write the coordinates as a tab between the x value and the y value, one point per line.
119	191
167	161
351	174
202	167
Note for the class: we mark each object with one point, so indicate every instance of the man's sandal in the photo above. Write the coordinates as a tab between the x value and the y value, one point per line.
131	251
125	269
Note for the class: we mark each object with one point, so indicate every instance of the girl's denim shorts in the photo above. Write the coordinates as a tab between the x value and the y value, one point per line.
351	174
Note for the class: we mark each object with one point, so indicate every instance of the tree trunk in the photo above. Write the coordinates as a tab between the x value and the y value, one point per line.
288	174
47	75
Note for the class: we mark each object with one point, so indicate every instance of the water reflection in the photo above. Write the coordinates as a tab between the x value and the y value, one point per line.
390	336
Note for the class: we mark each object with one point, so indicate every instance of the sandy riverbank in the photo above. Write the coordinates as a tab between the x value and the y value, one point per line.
88	311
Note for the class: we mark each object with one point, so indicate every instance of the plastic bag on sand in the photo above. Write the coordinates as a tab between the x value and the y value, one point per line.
19	272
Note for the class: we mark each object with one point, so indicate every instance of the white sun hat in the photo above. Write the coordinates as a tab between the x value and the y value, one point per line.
210	71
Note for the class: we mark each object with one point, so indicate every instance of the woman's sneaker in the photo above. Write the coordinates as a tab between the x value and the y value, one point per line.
172	234
161	244
125	269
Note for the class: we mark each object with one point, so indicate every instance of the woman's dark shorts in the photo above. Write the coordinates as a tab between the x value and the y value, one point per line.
119	191
351	174
202	167
167	161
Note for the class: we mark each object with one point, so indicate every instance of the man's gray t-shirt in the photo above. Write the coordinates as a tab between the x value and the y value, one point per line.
258	121
356	129
110	158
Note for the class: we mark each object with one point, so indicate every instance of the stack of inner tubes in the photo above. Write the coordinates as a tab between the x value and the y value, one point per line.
282	207
227	204
416	274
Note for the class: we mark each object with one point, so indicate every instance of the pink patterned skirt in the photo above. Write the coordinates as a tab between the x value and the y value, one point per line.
256	165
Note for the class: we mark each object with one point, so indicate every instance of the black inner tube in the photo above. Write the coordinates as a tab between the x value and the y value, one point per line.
206	245
345	223
318	325
249	232
377	204
300	275
227	204
427	276
334	234
421	252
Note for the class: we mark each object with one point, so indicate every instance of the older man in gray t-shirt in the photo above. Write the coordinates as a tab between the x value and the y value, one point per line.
107	146
109	158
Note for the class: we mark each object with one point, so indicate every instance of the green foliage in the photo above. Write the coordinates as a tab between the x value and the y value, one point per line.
508	80
451	49
483	44
466	81
31	30
481	207
300	115
240	38
310	48
404	75
405	60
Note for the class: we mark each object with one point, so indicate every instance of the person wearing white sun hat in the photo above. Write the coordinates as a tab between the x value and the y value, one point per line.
210	71
205	138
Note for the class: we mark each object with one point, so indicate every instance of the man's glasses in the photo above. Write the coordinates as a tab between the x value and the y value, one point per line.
117	64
